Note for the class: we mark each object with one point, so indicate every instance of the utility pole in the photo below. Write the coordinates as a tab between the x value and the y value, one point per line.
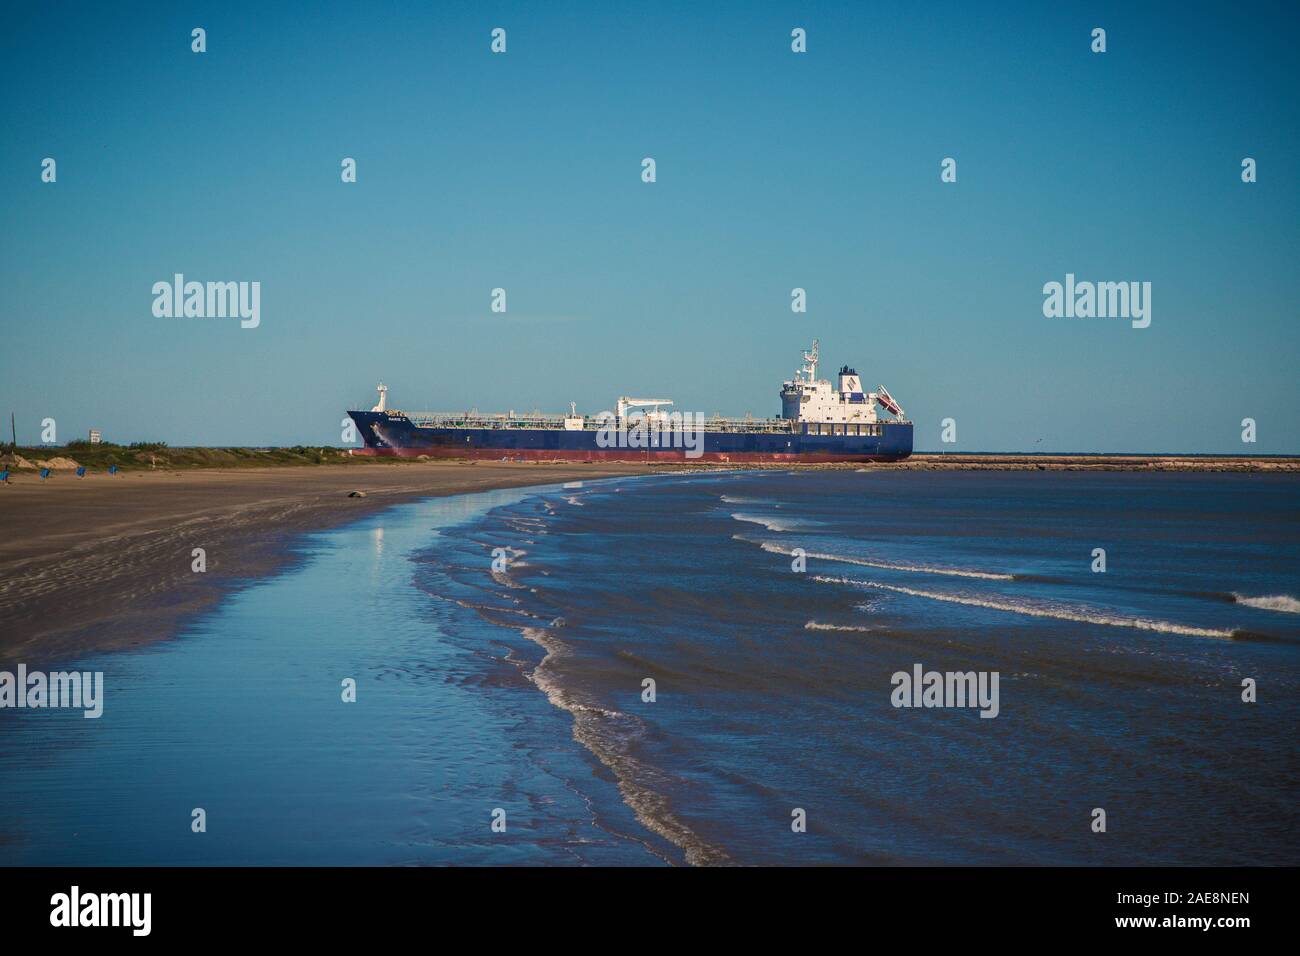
13	432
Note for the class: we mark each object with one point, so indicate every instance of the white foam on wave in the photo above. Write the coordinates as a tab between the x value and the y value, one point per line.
818	626
542	678
1270	602
1060	613
492	608
604	732
892	565
771	524
513	558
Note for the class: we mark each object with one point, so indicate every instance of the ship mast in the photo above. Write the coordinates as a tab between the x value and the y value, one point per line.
809	370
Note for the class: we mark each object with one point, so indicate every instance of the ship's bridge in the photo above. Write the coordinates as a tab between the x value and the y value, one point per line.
807	398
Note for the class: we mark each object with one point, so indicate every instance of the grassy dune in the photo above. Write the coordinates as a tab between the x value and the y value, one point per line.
155	456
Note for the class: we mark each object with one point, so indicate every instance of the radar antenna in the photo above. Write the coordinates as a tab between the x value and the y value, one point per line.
809	371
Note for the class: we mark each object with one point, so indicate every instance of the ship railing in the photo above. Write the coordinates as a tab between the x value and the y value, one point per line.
593	423
470	420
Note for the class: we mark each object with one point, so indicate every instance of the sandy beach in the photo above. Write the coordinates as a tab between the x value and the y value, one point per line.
105	563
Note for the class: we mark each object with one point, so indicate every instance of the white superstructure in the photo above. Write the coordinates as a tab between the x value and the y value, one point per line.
652	417
806	398
809	406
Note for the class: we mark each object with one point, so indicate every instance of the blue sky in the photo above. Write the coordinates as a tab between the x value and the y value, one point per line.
775	170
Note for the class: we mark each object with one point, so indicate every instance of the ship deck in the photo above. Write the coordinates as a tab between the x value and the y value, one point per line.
780	426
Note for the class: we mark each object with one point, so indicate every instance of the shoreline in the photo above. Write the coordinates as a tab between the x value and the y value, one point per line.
106	564
62	466
1020	461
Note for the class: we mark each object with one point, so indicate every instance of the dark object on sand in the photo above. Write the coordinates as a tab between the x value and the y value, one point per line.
356	494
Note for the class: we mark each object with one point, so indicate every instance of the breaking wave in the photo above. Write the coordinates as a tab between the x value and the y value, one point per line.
894	566
610	735
771	524
1082	615
1269	602
818	626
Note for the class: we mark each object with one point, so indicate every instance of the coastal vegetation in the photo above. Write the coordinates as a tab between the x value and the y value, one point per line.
146	456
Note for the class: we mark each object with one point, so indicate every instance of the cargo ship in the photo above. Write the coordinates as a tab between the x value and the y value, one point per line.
820	421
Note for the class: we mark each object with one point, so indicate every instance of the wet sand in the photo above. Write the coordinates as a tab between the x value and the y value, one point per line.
104	563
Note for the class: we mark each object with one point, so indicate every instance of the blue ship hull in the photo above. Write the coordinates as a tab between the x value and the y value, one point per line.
388	433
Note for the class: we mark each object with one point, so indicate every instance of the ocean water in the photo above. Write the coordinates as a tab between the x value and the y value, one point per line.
501	644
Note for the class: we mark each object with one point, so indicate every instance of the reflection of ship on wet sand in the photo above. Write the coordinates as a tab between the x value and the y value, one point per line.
89	565
819	422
